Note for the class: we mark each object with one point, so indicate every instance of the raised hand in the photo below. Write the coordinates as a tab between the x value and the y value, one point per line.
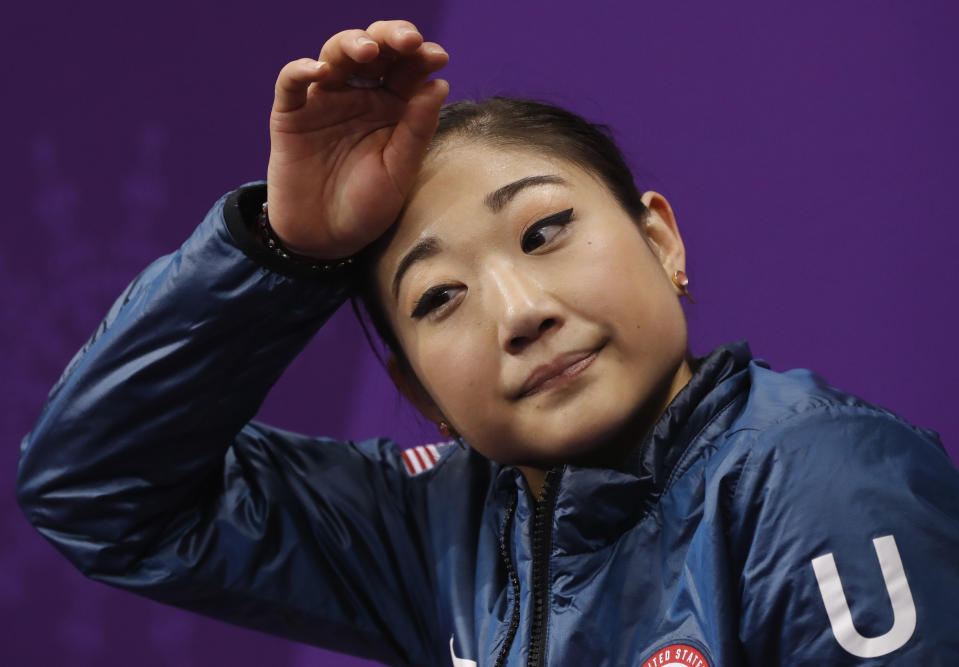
348	133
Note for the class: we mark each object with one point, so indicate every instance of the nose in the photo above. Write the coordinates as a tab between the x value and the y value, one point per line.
525	311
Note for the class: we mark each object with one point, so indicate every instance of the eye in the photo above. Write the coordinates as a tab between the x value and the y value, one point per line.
543	231
433	299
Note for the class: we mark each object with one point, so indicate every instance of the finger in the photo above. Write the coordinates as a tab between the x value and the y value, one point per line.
404	153
395	40
399	38
293	83
346	52
408	74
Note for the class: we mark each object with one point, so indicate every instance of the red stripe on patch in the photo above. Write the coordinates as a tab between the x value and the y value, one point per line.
407	462
424	457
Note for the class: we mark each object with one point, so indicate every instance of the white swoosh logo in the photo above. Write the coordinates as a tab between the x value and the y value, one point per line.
460	662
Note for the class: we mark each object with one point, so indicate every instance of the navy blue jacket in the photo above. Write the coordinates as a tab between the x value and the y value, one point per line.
767	519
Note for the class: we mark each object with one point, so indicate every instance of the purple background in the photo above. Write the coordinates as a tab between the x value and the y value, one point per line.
808	150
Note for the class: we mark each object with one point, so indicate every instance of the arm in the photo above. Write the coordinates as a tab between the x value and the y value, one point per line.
846	530
144	472
143	468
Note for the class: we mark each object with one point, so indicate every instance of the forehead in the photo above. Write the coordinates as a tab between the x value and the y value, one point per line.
454	182
463	173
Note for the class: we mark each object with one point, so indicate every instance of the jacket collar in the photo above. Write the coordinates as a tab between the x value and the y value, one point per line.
601	504
655	457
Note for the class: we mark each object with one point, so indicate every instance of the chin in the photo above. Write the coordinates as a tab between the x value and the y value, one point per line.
598	444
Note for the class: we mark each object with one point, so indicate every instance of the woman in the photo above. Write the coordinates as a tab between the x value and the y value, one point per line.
619	502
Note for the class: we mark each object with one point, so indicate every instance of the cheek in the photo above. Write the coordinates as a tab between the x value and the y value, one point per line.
621	276
452	368
628	289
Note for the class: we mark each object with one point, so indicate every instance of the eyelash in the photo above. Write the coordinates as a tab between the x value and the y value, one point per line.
562	219
432	298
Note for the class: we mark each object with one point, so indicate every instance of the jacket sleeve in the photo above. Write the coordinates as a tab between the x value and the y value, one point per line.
145	471
846	532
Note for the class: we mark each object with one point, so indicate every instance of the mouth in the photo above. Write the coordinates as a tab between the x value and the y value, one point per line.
559	372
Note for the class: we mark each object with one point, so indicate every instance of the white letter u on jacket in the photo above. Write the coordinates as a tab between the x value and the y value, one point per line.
460	662
837	608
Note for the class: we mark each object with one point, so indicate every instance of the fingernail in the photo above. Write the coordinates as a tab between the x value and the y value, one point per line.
436	48
363	41
320	64
403	32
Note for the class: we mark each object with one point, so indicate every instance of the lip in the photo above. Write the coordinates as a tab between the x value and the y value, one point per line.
558	372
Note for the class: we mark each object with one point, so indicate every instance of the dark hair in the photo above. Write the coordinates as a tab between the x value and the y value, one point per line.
508	122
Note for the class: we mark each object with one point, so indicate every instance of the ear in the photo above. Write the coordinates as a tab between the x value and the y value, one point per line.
662	233
412	389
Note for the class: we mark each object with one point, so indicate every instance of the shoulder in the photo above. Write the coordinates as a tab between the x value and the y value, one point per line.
416	461
796	397
841	464
796	413
818	470
826	475
357	473
801	441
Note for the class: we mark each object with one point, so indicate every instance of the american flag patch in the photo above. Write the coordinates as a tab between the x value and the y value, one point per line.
423	457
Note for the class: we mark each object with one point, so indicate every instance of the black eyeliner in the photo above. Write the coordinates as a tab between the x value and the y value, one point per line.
560	218
424	304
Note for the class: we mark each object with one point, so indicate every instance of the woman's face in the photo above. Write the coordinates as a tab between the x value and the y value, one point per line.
538	320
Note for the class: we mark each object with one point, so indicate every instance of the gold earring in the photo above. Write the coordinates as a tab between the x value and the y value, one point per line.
681	280
445	429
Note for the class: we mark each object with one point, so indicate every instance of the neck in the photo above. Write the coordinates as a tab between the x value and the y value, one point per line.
535	479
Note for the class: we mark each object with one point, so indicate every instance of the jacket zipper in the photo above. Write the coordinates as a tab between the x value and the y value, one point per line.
504	542
542	541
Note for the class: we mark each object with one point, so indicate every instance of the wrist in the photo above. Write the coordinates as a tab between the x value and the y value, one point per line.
241	212
271	240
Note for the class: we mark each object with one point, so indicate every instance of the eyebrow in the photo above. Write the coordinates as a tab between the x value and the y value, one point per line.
499	198
425	248
495	201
